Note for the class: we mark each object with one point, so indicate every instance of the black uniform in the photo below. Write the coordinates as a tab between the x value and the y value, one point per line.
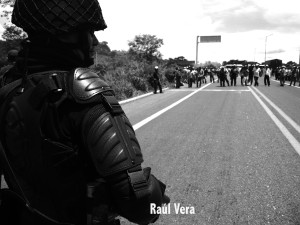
233	76
177	79
156	81
63	129
222	76
251	74
294	76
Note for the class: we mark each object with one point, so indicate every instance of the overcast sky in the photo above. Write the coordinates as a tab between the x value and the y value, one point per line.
242	24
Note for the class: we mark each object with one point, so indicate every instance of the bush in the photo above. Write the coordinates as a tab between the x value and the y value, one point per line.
128	76
169	74
139	83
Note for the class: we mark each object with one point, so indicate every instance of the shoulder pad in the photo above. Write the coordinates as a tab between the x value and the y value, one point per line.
86	84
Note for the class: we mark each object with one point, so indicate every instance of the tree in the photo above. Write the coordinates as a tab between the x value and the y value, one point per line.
102	48
146	47
291	64
12	34
6	4
210	64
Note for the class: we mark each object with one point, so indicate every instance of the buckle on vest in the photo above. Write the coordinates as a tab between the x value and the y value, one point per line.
57	82
138	182
112	103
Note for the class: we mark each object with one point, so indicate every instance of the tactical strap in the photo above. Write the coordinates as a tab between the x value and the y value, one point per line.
13	179
18	191
139	182
51	84
14	186
112	104
118	122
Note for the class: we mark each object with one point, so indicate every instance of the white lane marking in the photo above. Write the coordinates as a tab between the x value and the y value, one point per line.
293	141
286	117
147	120
182	89
223	90
138	97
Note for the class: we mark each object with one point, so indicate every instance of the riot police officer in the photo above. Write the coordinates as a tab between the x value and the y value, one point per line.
63	129
156	80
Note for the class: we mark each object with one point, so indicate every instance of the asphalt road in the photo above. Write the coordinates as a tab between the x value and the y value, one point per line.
230	154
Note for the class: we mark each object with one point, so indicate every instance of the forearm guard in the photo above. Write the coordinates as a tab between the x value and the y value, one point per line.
132	189
116	153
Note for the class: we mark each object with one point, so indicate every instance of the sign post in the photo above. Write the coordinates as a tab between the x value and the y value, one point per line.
206	39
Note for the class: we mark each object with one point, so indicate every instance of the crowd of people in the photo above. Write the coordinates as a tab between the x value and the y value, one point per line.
227	75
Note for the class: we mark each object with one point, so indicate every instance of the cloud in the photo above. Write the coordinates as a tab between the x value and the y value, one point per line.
276	51
248	15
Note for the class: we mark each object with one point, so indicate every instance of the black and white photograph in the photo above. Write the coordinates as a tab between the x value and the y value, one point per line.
149	112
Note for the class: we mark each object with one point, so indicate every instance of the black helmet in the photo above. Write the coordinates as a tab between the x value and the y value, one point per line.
57	16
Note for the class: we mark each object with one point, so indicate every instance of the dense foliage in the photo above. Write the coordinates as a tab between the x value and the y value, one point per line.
127	74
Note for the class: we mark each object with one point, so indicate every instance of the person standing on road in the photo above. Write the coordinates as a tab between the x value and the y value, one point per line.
201	76
267	76
282	76
222	76
197	75
233	75
156	80
189	77
227	73
244	75
293	76
298	75
251	74
256	71
73	150
277	73
177	78
211	75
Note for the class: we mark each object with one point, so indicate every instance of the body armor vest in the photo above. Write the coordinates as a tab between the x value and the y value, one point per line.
42	166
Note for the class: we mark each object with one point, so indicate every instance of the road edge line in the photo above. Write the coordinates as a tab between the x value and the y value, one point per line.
138	97
293	141
283	114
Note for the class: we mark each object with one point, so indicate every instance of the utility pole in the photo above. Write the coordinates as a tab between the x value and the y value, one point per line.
197	42
266	48
299	56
